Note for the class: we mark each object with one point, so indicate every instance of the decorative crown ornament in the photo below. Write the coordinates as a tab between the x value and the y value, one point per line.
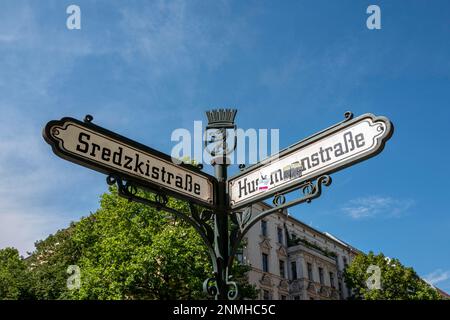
221	118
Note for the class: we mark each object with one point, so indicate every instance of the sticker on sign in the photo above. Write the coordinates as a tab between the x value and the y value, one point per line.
329	151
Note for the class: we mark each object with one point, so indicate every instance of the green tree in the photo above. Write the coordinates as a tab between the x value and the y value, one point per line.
397	281
132	251
14	280
47	265
125	250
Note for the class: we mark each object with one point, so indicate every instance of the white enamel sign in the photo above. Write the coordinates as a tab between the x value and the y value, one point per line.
102	150
331	150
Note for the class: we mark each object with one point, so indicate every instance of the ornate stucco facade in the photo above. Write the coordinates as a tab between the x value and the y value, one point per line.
291	260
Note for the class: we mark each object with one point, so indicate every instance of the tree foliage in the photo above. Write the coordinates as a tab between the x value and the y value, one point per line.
14	282
124	250
397	281
136	252
47	265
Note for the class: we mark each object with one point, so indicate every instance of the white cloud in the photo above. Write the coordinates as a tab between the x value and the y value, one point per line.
372	206
38	192
437	276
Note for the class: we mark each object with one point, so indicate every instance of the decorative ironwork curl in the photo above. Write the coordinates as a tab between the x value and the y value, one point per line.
206	215
131	188
232	293
241	218
307	190
110	180
348	115
278	200
325	180
380	128
88	118
161	199
210	287
203	217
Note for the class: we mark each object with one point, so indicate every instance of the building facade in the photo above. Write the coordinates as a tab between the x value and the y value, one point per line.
290	260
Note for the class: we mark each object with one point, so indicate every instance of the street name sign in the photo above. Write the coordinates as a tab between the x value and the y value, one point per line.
99	149
328	151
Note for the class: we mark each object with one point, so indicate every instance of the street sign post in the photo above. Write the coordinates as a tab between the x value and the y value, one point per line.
328	151
102	150
223	212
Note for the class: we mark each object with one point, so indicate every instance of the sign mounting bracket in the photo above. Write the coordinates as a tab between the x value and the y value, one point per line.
245	219
220	208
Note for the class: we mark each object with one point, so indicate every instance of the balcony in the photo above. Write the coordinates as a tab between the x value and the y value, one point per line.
297	241
296	286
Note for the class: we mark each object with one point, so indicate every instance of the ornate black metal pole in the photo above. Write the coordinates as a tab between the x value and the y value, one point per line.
213	225
219	121
221	225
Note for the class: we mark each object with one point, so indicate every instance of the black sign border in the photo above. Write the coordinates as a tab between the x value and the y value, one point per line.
305	142
54	143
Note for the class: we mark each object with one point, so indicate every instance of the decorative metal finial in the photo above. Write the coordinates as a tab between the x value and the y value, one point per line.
219	121
88	118
221	118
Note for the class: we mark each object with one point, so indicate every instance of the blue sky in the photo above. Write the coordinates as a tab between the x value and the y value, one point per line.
145	68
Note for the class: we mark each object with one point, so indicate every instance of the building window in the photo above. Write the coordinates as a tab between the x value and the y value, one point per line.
344	259
280	235
296	297
340	290
332	280
265	262
310	273
264	228
266	295
321	275
282	272
294	270
283	297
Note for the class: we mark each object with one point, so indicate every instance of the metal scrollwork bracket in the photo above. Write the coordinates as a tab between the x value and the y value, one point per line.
233	292
197	217
211	288
245	219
